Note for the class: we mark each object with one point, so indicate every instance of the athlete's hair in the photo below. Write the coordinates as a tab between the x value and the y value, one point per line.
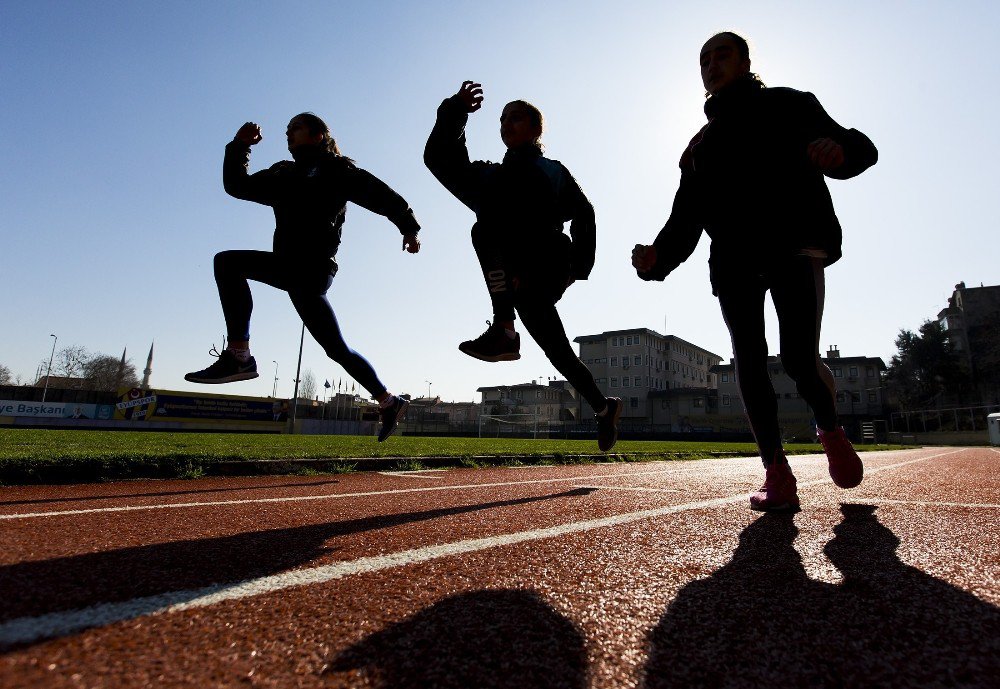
743	48
534	116
318	126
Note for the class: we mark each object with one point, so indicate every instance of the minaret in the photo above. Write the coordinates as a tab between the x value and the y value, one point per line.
149	368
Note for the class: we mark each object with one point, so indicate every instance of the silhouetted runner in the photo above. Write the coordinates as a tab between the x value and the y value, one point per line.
309	196
527	260
752	179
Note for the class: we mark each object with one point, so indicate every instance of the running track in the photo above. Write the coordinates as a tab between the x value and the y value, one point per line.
623	575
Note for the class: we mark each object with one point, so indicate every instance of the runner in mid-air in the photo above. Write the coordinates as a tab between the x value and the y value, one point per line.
309	196
527	260
752	179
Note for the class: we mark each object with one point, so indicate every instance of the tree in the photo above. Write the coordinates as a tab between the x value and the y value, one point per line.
105	372
926	369
307	386
5	376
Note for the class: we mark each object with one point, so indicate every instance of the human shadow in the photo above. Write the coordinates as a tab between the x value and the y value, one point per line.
482	639
761	621
167	493
78	581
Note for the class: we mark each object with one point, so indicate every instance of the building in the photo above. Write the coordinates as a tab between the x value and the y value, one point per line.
550	403
640	365
972	323
860	393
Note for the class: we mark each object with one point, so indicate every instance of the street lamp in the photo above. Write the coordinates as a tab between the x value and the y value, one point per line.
49	371
274	390
428	389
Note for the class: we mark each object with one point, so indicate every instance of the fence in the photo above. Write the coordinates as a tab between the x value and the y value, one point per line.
941	420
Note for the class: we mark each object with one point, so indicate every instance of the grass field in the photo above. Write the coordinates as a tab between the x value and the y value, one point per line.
57	455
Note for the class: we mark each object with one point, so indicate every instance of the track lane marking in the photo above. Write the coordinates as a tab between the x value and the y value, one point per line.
932	503
397	491
63	623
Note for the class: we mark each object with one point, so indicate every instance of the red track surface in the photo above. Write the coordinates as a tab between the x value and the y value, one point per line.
638	575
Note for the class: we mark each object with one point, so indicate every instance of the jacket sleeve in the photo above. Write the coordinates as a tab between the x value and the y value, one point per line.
677	240
368	191
583	228
447	156
259	187
859	152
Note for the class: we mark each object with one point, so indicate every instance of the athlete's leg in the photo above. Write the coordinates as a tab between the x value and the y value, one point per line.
232	271
489	246
320	320
742	305
798	292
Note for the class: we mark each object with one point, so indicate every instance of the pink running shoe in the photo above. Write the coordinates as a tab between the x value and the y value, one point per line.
778	492
846	468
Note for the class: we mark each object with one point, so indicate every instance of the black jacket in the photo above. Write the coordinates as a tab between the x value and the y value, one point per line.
309	197
527	196
746	180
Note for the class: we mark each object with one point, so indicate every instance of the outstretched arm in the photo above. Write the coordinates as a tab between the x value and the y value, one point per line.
838	152
236	177
676	241
446	154
368	191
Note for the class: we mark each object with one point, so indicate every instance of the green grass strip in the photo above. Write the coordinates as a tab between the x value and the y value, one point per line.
28	455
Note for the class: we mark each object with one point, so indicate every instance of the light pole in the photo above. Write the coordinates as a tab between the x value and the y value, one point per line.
48	372
274	390
428	389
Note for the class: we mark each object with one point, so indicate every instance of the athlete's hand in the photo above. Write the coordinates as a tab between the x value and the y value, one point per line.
411	243
826	154
471	95
644	257
249	134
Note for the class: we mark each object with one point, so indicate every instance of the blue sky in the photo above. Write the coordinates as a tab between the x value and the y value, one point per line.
114	116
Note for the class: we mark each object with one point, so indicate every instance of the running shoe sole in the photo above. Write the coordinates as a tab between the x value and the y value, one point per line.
247	375
400	413
510	356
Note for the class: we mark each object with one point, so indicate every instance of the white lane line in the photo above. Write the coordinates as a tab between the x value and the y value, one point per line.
635	488
413	474
398	491
55	624
334	496
931	503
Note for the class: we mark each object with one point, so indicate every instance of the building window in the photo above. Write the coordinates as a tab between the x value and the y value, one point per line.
633	402
637	360
699	402
725	400
841	397
837	372
870	371
725	377
636	381
628	340
664	404
614	361
853	371
614	341
873	396
855	396
626	382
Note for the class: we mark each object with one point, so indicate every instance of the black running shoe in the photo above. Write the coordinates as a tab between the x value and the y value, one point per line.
226	370
607	425
390	417
493	345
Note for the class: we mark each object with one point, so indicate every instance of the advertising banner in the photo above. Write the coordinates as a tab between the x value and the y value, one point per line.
56	410
161	405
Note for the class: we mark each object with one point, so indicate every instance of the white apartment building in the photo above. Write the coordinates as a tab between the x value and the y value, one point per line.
634	364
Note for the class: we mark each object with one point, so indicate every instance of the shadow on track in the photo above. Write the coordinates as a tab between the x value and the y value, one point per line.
761	621
165	494
482	639
121	575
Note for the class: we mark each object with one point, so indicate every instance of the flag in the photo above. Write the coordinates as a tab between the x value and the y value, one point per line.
326	384
352	388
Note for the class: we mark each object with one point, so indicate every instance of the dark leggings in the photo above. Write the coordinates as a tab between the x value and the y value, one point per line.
797	290
533	291
306	286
